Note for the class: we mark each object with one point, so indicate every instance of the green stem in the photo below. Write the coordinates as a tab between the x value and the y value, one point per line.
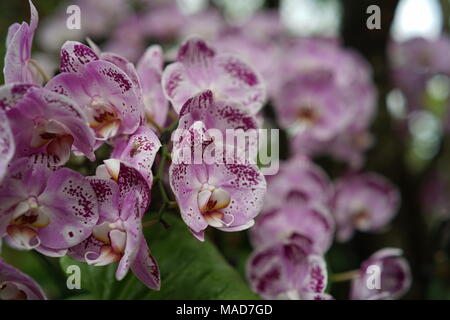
39	69
344	276
154	124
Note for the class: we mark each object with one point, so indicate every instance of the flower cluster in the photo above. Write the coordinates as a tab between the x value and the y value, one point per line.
120	108
100	99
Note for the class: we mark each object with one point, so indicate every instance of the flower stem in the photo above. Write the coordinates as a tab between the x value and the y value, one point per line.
344	276
166	201
152	121
150	223
40	70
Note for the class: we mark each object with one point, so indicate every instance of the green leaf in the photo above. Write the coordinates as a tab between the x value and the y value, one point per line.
189	270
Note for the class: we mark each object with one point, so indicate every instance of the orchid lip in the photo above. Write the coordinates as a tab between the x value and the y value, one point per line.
101	231
112	234
106	256
9	291
217	219
28	213
24	237
113	168
361	218
103	118
46	131
212	199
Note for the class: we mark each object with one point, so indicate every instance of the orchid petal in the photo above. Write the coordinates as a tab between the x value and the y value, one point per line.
71	203
140	151
145	267
75	56
7	144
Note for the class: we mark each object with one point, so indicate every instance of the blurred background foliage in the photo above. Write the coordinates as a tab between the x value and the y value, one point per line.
409	150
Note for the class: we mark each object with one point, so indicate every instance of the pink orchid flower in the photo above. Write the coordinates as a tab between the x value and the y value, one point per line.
199	67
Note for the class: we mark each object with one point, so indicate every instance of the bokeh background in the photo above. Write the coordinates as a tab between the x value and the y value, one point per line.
411	148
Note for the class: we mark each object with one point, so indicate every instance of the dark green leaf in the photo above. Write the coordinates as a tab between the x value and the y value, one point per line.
189	270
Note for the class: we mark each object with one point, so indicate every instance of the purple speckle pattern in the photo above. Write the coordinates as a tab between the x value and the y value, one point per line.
240	71
75	55
131	180
119	77
172	83
85	203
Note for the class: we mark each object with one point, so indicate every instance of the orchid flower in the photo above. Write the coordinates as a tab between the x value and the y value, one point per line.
199	67
45	122
365	202
15	285
288	269
312	107
225	192
45	208
315	222
284	187
395	276
123	195
108	96
325	99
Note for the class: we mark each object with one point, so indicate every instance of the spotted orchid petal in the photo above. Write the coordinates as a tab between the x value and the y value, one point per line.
45	209
118	236
75	56
185	183
216	114
90	251
226	194
200	68
131	216
107	193
317	277
239	82
145	267
127	67
139	151
177	86
129	180
71	204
